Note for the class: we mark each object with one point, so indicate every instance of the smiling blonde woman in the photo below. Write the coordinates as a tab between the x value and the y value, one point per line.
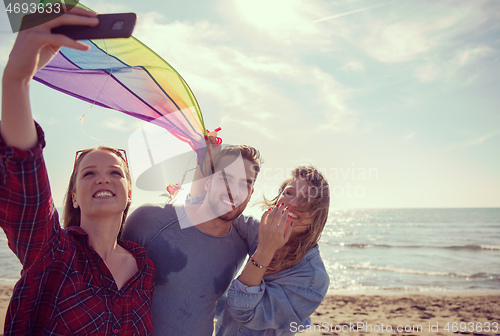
285	279
81	280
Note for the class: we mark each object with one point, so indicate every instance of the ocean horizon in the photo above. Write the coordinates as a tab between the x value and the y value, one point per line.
393	250
419	249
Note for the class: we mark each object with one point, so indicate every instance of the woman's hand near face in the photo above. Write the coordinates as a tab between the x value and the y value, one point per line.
274	232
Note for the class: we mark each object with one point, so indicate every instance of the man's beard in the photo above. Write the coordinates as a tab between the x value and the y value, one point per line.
227	216
230	216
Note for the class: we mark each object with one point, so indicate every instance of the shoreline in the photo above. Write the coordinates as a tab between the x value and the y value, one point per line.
381	313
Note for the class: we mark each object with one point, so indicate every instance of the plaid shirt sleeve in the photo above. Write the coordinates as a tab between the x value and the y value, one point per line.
26	207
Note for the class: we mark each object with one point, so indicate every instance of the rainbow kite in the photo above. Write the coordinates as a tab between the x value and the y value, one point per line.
127	76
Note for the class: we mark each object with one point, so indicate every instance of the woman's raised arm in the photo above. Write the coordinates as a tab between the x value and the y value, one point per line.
33	49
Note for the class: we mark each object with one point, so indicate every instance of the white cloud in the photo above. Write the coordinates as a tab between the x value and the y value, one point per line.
282	18
426	73
410	135
353	66
420	29
473	54
244	84
286	23
331	98
106	6
253	128
459	66
398	42
474	140
480	140
351	12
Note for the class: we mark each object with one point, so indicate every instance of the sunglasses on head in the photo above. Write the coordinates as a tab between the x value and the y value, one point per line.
120	152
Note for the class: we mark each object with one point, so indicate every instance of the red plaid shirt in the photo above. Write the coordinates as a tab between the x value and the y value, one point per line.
65	287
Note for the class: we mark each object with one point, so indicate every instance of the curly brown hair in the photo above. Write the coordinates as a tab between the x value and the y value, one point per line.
316	206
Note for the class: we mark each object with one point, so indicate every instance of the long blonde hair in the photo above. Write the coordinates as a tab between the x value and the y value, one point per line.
71	216
317	206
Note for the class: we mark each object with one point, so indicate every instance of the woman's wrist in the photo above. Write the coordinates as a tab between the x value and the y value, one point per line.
256	267
252	260
262	259
15	80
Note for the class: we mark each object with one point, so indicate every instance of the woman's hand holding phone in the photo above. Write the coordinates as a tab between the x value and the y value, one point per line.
35	47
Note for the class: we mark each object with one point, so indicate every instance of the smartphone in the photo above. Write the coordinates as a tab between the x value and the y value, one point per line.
116	25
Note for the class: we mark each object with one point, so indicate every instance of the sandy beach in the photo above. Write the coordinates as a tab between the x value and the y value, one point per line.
408	314
390	314
5	294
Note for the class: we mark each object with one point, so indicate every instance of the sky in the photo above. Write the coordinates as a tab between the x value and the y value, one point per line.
394	101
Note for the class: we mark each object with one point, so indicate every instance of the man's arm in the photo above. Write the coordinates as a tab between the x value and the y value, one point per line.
201	173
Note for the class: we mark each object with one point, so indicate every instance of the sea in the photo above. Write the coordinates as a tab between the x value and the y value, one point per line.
394	250
417	250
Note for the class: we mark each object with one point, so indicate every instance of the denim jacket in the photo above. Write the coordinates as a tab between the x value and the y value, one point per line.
280	305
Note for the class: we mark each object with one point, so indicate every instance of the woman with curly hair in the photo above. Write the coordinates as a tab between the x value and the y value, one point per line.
284	280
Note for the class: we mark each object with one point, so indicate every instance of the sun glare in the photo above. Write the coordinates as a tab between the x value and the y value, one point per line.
284	19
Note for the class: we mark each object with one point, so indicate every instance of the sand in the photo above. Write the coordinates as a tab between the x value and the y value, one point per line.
5	294
408	314
390	314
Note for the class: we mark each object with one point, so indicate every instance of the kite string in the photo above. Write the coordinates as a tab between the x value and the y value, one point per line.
171	197
98	95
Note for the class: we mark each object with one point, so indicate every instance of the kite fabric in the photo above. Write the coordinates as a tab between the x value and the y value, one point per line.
127	76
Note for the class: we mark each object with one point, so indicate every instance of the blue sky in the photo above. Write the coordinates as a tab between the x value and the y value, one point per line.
396	101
